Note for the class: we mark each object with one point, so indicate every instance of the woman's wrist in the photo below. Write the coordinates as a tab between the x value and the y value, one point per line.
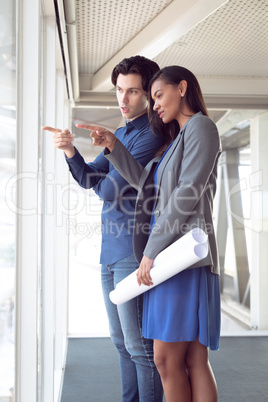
112	145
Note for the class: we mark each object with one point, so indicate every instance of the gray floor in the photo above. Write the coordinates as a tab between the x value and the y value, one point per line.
92	371
240	367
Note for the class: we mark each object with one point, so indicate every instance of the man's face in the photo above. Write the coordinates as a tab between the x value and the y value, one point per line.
132	99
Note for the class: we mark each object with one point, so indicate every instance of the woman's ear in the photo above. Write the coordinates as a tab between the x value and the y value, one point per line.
183	87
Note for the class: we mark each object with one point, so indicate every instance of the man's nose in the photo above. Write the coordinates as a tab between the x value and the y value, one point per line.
124	97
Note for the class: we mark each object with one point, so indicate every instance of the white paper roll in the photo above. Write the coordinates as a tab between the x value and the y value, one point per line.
183	253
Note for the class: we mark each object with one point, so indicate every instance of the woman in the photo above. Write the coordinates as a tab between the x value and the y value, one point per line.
182	314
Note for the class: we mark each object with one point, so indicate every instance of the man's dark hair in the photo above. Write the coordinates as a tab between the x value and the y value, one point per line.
136	65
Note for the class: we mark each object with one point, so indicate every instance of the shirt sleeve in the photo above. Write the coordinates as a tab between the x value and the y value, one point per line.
87	174
101	175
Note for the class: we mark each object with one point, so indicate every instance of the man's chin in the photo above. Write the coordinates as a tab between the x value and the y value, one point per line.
126	115
130	117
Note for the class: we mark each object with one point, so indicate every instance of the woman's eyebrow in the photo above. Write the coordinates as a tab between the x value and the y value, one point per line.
157	91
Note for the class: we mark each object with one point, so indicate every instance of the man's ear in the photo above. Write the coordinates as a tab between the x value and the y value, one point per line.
183	87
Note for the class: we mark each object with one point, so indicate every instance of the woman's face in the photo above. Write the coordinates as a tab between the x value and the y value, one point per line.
167	99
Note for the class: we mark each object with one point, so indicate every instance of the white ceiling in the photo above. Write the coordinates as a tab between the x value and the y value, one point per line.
226	44
223	42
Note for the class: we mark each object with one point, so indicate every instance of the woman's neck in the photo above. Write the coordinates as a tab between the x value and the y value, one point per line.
184	116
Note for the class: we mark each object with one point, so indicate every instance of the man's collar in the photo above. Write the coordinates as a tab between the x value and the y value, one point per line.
140	121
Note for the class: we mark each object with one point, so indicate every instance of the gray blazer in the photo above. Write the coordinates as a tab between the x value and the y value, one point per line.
183	197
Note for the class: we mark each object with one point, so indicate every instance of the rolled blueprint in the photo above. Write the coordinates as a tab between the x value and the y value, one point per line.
184	252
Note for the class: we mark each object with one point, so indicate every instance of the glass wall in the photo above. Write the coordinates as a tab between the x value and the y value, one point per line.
7	217
87	315
33	275
239	214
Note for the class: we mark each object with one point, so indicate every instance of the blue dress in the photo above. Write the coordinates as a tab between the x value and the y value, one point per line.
185	307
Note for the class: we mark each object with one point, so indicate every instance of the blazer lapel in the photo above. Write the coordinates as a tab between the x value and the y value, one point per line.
147	170
177	142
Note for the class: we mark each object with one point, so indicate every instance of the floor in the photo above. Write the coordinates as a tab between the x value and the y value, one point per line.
92	371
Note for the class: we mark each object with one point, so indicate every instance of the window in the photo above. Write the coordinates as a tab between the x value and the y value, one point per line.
7	217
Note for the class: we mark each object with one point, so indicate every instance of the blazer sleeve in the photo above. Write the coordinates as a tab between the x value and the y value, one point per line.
128	167
200	154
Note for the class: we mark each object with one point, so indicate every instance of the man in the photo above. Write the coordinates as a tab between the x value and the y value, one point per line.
140	379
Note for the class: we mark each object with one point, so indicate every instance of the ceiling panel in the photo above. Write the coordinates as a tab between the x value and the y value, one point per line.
233	42
104	27
227	49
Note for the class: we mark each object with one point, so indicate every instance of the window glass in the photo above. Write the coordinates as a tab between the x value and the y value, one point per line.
7	194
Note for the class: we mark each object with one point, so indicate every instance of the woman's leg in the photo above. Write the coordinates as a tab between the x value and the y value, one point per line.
203	384
170	361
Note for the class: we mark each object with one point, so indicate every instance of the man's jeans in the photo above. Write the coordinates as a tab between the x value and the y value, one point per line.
140	379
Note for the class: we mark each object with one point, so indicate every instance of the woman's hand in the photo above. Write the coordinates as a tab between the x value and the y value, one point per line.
100	135
143	274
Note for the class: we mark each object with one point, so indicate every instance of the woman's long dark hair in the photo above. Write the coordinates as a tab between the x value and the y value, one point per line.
193	98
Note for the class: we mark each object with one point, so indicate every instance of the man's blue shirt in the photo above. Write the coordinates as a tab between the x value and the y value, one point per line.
117	217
